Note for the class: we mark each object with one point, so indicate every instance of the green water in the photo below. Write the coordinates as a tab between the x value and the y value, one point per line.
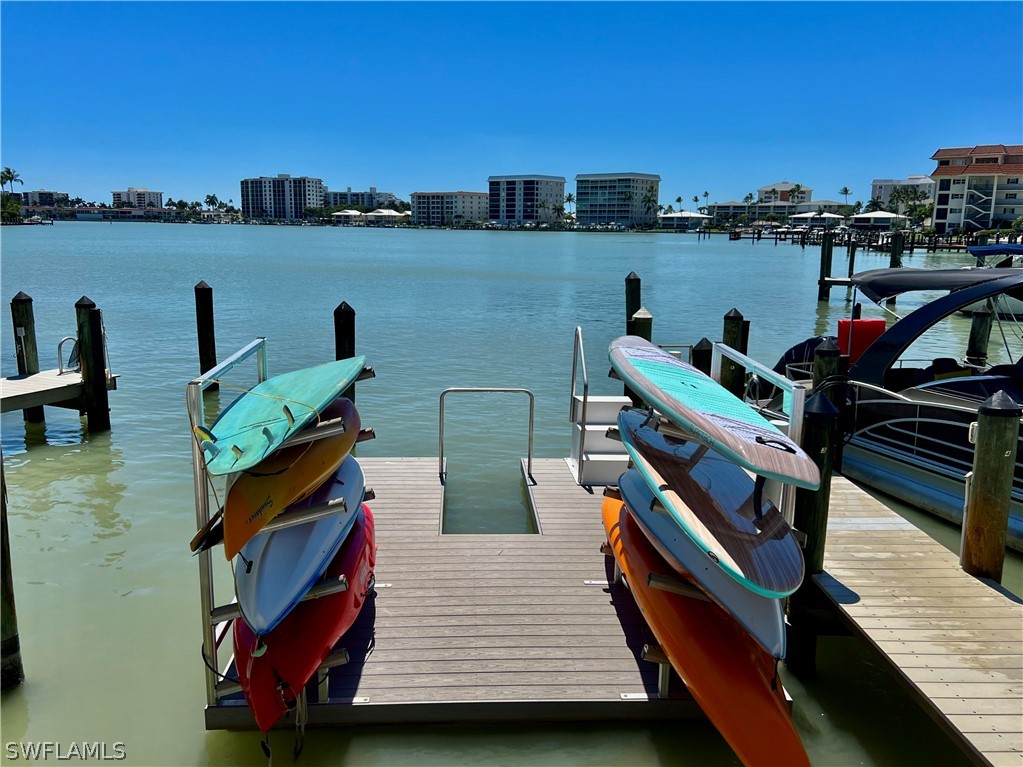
107	592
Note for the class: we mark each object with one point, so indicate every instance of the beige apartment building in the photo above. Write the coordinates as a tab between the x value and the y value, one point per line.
136	197
977	187
449	208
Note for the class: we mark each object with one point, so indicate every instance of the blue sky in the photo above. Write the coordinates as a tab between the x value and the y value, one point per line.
189	97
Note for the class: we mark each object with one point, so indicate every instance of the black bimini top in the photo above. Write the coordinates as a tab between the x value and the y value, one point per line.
879	284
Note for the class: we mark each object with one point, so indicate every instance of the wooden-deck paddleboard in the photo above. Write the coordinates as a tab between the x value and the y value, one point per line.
762	617
711	501
288	476
731	677
698	405
264	417
275	570
273	669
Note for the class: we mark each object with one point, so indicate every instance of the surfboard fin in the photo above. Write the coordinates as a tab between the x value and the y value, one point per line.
289	415
238	452
207	440
268	434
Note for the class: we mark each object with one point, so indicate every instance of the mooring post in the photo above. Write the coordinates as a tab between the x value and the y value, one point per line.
643	324
204	329
827	252
25	347
733	376
11	671
95	402
811	518
980	335
986	516
344	338
702	355
895	260
633	301
852	256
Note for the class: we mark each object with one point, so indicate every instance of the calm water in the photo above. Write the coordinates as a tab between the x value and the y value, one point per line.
106	590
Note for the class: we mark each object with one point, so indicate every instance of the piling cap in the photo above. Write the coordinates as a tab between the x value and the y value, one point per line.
827	346
1000	405
85	303
819	407
22	297
642	314
733	313
202	285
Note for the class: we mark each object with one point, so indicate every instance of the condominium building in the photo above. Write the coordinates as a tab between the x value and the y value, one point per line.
281	196
44	197
370	199
526	199
882	188
784	191
977	187
627	199
136	197
449	208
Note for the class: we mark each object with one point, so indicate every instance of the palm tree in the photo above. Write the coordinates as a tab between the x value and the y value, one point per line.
845	192
706	199
211	201
9	177
543	205
570	199
748	199
696	200
679	201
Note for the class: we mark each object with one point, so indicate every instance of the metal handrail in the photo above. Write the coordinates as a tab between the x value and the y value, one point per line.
487	390
61	370
794	388
194	392
579	356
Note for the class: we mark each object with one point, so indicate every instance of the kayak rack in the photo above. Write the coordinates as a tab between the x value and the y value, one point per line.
216	620
441	470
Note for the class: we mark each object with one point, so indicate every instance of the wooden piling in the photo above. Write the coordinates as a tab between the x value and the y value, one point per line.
702	355
980	335
95	402
827	253
852	256
25	347
986	516
344	338
12	673
204	329
633	300
643	324
733	376
897	242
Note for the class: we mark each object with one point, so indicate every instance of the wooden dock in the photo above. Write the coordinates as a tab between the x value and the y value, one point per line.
485	628
955	641
47	387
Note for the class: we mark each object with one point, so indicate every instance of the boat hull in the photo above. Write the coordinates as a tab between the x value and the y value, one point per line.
731	677
274	669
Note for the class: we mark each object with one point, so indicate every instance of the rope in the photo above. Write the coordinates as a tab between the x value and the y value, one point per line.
301	716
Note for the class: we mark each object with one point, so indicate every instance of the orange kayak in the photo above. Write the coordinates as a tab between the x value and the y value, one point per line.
731	677
285	477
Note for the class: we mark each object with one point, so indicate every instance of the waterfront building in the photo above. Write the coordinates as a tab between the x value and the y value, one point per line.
370	199
519	200
977	187
449	208
281	196
347	217
882	188
785	191
137	197
45	198
626	199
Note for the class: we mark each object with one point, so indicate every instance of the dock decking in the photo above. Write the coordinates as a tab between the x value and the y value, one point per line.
47	387
955	641
473	628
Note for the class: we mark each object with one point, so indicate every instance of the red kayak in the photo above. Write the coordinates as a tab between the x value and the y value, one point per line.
289	656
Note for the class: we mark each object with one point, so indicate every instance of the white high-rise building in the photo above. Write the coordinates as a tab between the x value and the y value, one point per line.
449	208
281	196
138	198
882	188
627	199
977	187
526	199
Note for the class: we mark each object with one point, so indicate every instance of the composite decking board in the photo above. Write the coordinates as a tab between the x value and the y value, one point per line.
46	387
955	640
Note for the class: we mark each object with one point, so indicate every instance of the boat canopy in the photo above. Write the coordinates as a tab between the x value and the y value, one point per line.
879	284
983	252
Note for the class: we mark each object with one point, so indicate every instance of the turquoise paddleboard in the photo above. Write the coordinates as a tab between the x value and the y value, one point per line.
710	501
264	417
709	413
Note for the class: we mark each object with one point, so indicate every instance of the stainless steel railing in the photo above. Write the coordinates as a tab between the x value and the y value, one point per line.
486	390
579	366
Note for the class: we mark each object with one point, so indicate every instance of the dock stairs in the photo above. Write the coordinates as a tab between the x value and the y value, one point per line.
595	459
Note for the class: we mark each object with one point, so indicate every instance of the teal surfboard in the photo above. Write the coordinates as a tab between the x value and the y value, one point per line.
264	417
709	501
706	411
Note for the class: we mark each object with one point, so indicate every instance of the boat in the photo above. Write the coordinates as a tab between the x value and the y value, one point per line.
907	422
763	618
262	418
733	679
276	569
274	668
288	476
1003	255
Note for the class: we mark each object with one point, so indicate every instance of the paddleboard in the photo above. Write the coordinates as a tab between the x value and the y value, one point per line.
762	617
698	405
256	496
732	678
273	669
275	570
264	417
711	501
